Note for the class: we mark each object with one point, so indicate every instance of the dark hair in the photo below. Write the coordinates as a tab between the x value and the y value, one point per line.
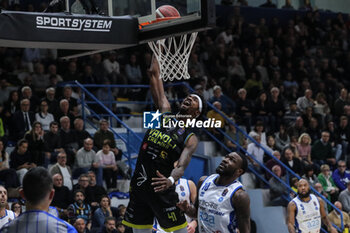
106	196
37	183
53	123
106	142
21	142
244	165
109	219
78	191
3	151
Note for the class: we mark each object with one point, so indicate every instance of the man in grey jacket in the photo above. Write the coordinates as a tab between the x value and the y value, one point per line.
344	198
86	160
63	169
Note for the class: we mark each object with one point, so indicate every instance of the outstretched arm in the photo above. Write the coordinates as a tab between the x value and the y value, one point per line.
157	88
241	202
161	182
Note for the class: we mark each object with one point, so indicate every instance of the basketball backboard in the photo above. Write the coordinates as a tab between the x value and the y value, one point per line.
117	26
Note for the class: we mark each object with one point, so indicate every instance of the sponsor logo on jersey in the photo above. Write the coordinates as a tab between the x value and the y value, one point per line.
224	192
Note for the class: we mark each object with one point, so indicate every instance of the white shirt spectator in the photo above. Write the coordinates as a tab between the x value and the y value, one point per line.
45	120
256	151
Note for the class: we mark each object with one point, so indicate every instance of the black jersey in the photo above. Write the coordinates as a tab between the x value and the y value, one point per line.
159	150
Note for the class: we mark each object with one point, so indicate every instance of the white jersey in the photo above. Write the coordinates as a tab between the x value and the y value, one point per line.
53	211
215	211
183	190
308	216
9	216
37	221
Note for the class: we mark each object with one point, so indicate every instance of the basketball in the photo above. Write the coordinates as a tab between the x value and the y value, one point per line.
167	11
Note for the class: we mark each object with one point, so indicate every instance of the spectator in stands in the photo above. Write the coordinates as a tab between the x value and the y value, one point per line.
227	107
304	148
68	140
83	182
259	130
256	151
21	121
64	111
109	165
236	136
253	85
291	115
88	77
80	133
310	175
27	93
51	100
276	108
94	192
297	128
340	103
21	160
44	117
321	151
213	114
244	109
79	209
63	197
11	106
104	134
327	182
7	175
305	101
272	162
291	162
334	216
86	159
344	198
133	71
288	5
80	226
73	103
261	110
321	107
52	71
72	72
52	141
40	80
314	130
271	144
268	4
105	210
278	192
282	139
36	145
341	176
16	207
64	170
342	136
109	226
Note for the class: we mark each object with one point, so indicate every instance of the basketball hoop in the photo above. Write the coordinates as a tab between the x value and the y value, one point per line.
173	54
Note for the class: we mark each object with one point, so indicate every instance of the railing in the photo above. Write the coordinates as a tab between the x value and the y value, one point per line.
85	104
252	169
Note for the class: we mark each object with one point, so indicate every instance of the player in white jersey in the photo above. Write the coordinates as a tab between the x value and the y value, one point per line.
306	211
38	192
5	215
222	205
186	190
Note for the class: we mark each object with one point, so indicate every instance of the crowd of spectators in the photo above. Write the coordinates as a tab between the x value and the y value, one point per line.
285	84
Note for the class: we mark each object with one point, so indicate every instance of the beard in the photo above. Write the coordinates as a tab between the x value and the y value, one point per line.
224	172
304	195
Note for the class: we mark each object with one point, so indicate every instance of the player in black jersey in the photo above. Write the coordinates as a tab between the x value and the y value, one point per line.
152	190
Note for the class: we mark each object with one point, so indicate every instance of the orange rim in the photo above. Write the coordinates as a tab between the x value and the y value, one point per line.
157	20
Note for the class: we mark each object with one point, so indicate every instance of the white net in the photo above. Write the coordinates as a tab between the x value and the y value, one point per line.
173	54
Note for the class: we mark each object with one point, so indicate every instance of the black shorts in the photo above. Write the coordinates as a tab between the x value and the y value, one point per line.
145	205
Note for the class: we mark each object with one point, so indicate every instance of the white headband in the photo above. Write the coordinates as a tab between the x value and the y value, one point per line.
200	104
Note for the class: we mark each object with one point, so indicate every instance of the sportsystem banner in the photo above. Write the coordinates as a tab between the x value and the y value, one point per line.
66	31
